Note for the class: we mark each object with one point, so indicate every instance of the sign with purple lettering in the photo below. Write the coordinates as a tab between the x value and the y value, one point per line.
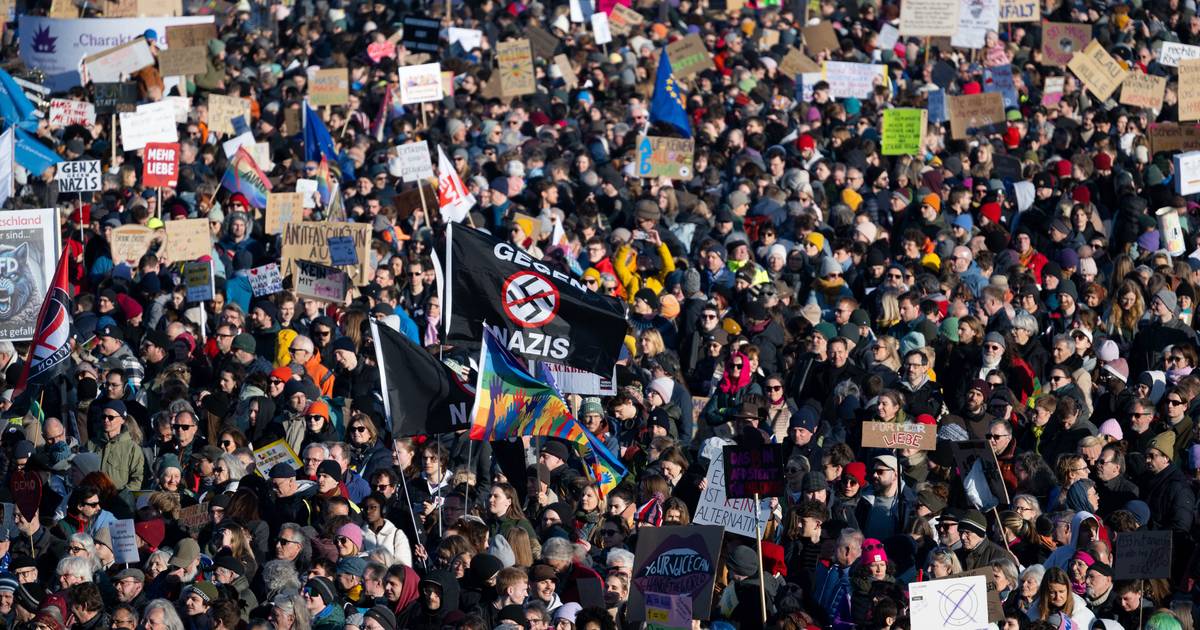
753	470
675	561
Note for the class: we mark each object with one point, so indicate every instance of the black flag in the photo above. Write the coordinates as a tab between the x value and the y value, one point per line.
421	395
538	311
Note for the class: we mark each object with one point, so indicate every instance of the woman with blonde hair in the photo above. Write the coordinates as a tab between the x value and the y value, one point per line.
1126	313
1055	596
368	453
885	357
889	311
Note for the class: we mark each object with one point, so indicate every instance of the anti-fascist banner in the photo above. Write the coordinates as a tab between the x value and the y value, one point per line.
678	561
421	395
28	248
538	311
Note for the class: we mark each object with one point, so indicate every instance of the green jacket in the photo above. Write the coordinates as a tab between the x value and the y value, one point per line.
334	619
122	460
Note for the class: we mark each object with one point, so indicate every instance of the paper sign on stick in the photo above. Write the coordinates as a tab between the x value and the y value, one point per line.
1143	90
903	130
265	280
129	243
188	239
516	68
283	208
1098	70
78	177
928	18
421	83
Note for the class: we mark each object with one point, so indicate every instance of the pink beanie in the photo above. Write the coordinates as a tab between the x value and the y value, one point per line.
353	532
873	551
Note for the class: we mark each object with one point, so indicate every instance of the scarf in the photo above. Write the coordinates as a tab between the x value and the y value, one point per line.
651	512
409	591
744	376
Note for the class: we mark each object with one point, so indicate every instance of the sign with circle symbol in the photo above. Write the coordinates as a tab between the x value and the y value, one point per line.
959	603
530	299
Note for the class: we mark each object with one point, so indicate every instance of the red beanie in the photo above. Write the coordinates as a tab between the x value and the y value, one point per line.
1102	161
858	470
82	215
972	87
991	211
1012	137
773	560
1082	194
1063	168
806	142
926	419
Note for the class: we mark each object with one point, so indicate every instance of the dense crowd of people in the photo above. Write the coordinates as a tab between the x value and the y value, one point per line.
799	284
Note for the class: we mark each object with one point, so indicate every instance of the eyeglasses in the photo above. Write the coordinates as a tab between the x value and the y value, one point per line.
1174	359
77	548
609	532
294	350
914	365
774	388
1174	402
92	503
359	429
996	436
285	541
184	427
112	417
895	276
315	417
382	486
993	347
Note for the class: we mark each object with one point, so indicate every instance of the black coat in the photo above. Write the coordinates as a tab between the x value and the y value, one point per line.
1172	504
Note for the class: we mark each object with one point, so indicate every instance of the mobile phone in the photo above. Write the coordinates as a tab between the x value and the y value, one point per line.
639	235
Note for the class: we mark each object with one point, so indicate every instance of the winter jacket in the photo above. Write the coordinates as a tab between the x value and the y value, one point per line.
122	460
390	538
1172	503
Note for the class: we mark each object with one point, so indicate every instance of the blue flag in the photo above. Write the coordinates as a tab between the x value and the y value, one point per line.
15	107
317	141
32	155
668	105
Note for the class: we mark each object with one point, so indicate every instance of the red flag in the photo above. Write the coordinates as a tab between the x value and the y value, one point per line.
453	198
51	345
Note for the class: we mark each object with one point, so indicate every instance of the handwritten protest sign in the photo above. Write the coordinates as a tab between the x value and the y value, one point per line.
468	38
274	453
1098	70
309	240
928	18
341	251
129	243
181	60
190	35
665	157
64	112
320	282
899	435
198	280
119	62
1142	555
223	109
26	489
753	470
903	130
995	607
140	128
421	83
1143	90
1170	137
1189	89
516	68
820	37
194	517
688	56
853	80
330	86
974	23
283	208
796	62
623	20
1000	79
78	177
1061	40
1020	11
668	612
124	539
1173	52
160	165
970	112
414	161
1052	90
675	561
737	516
188	239
265	280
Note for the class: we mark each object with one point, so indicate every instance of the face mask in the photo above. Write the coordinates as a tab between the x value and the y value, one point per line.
87	388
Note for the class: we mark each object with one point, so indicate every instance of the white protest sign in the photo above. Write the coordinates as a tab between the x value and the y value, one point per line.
139	128
181	104
65	111
600	28
321	282
959	603
975	22
274	453
888	36
468	38
309	188
1173	52
735	515
78	177
1187	165
124	540
232	145
415	162
421	83
265	280
163	108
118	63
852	80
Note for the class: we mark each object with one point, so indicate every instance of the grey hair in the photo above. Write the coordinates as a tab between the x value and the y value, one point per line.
162	555
947	557
280	575
382	556
1025	322
1031	501
620	557
292	604
318	445
233	465
170	618
1008	568
89	544
558	549
6	347
1067	339
850	536
79	567
1035	571
846	389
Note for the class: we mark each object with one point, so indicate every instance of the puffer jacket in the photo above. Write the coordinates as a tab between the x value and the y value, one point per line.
122	460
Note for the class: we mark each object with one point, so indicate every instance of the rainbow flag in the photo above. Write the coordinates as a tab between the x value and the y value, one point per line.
324	182
243	175
510	402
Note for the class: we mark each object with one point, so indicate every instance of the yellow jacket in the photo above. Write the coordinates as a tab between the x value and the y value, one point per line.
625	264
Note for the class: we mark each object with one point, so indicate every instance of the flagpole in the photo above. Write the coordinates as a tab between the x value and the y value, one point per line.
411	514
449	303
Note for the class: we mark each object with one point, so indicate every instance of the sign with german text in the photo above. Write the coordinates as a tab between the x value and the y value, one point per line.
315	281
181	60
330	86
516	68
1143	90
1012	11
1189	89
688	57
188	239
1098	70
78	177
928	18
675	561
65	112
265	280
755	470
971	113
903	130
659	156
160	165
129	243
737	516
1061	40
1142	555
891	435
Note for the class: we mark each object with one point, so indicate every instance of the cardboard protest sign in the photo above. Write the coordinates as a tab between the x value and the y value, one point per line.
194	517
1172	53
341	251
140	128
928	18
115	97
1061	40
191	35
735	515
892	435
421	34
309	240
971	112
903	130
688	57
223	109
1097	70
1020	11
179	60
274	453
623	20
753	470
329	86
160	165
283	208
543	43
159	7
119	62
1142	555
265	280
853	80
820	37
188	239
198	280
928	609
568	73
315	281
516	68
64	112
29	246
1170	137
1052	90
129	243
980	473
420	84
1143	90
796	62
666	157
409	201
78	177
26	489
62	10
980	17
1189	89
680	561
124	540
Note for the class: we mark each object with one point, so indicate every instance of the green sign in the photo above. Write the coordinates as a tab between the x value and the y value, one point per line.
902	131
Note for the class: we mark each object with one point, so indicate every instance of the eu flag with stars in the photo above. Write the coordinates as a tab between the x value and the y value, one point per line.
667	104
317	141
